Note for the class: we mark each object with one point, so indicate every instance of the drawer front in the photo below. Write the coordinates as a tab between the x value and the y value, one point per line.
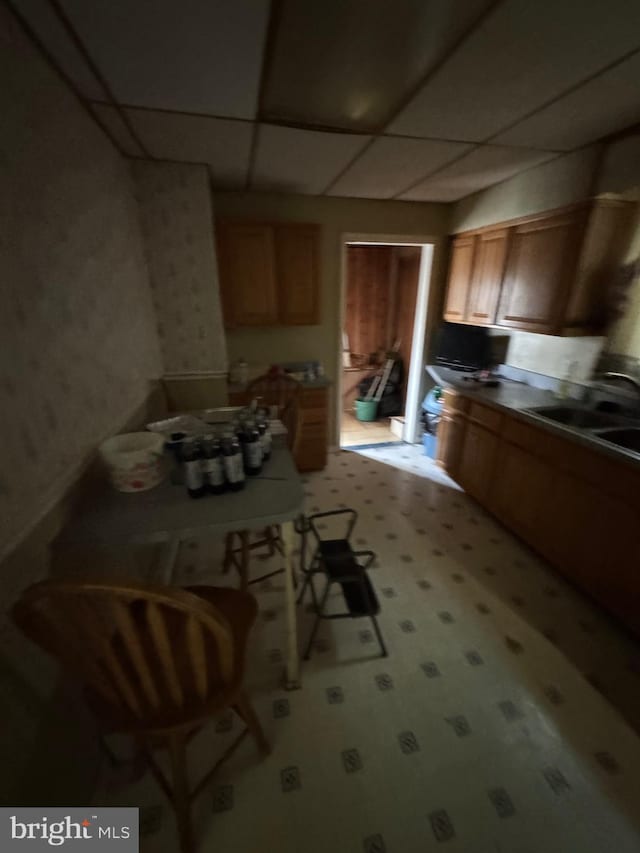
313	416
313	398
485	416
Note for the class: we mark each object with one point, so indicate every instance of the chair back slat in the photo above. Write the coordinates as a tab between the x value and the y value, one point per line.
197	655
160	635
134	647
151	653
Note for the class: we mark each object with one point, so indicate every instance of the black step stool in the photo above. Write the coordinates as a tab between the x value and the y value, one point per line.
338	562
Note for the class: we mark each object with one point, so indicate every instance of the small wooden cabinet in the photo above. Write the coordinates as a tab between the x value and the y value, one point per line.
549	273
451	432
269	273
462	252
313	437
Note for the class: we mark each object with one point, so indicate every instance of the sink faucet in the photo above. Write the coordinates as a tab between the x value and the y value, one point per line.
621	377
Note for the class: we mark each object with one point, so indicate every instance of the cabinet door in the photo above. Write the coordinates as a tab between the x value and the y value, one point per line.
297	259
476	468
450	438
247	274
460	269
540	267
520	490
486	282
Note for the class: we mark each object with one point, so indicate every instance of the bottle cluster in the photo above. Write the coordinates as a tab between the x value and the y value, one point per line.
221	460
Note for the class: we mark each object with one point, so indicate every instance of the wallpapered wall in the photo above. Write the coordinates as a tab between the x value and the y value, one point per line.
76	322
177	222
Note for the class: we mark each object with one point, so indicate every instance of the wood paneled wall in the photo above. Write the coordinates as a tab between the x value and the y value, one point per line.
406	292
368	298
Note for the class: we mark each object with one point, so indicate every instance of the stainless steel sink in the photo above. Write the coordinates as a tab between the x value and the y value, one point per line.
577	417
628	437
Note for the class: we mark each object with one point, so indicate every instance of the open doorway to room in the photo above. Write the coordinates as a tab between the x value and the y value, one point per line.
385	292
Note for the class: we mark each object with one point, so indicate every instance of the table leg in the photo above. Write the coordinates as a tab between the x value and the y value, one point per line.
163	570
292	673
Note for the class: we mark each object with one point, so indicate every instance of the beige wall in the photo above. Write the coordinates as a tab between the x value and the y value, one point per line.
336	216
177	224
77	318
564	180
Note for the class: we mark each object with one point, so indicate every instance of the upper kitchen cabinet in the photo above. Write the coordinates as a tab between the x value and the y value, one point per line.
540	269
550	273
488	270
460	270
297	269
268	273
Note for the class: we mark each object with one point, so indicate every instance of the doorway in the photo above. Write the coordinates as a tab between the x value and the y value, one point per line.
385	287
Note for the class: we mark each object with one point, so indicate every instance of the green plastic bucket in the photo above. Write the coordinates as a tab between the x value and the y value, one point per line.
366	410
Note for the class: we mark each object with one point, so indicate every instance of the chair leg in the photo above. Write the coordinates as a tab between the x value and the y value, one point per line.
244	709
245	556
379	636
181	799
228	553
316	625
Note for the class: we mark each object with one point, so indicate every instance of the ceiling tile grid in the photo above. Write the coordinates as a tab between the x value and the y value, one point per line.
391	164
301	161
417	99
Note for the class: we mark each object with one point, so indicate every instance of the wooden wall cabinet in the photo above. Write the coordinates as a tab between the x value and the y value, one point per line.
488	271
269	273
574	505
550	273
459	282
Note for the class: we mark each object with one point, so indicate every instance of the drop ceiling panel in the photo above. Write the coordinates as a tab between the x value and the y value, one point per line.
606	104
41	17
301	161
110	118
391	164
481	168
349	63
195	56
224	144
522	55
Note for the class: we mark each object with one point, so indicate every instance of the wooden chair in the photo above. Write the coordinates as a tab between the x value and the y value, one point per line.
157	663
270	390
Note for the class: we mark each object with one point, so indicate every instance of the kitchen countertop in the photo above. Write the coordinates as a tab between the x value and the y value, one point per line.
321	382
518	399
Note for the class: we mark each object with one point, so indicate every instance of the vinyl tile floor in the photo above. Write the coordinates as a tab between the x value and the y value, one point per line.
500	722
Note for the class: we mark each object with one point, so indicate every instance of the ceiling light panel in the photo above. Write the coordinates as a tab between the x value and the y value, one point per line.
523	54
392	163
224	144
301	161
48	27
482	167
195	56
350	63
606	104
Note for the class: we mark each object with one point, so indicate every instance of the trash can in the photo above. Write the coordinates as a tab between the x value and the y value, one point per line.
431	412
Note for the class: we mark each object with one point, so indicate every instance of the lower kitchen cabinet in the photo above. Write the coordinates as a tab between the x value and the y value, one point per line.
573	504
313	437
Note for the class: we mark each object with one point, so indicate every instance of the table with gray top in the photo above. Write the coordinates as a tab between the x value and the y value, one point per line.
167	515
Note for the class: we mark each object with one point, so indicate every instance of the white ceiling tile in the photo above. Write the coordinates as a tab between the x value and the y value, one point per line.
393	163
41	17
481	168
606	104
224	144
522	55
301	161
110	117
195	56
349	63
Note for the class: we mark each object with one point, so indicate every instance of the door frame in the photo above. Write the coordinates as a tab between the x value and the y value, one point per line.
428	245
